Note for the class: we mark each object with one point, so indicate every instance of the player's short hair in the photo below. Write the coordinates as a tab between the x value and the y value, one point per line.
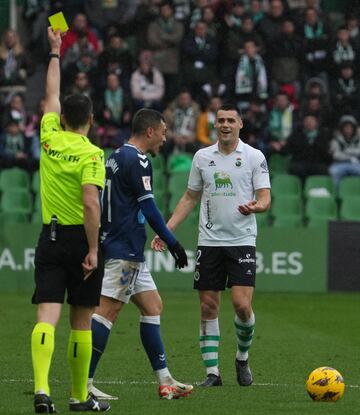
229	107
145	118
77	109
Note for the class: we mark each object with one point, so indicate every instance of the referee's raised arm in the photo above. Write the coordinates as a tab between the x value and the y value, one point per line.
52	95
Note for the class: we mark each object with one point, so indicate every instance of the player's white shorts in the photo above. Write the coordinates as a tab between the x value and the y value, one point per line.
122	279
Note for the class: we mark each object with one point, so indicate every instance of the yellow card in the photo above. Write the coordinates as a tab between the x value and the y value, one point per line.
57	21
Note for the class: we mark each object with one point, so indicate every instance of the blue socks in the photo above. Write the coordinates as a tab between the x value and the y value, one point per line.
100	327
152	342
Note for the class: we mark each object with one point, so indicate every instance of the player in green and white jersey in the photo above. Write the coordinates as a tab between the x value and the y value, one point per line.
232	180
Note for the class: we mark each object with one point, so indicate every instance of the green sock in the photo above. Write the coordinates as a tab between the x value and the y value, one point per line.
42	348
209	345
79	356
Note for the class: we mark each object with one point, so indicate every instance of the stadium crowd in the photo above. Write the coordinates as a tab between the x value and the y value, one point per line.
291	67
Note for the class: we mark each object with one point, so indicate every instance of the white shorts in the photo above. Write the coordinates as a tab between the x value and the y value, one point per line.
122	279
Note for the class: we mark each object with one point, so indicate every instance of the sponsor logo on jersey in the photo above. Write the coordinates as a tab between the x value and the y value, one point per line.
222	180
58	155
212	163
147	182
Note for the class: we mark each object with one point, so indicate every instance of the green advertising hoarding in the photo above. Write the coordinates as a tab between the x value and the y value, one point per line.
287	260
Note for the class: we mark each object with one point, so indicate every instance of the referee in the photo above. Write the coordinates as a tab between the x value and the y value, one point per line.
72	172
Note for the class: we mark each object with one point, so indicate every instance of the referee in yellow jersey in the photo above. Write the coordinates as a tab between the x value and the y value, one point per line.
67	258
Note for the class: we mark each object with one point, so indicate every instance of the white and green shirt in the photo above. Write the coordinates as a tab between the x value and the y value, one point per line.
227	181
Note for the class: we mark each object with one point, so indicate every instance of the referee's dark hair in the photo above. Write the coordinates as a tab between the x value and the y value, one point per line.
145	118
77	109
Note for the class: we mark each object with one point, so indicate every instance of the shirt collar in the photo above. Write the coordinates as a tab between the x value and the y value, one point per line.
238	149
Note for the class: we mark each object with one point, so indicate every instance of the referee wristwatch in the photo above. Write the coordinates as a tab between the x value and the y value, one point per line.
54	55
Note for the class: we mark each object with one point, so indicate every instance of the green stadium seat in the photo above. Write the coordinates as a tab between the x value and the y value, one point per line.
350	208
319	186
320	210
287	207
179	162
14	178
278	164
286	185
13	217
16	200
35	182
349	187
178	183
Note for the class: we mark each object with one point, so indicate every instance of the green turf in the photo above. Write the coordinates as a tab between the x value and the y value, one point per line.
294	334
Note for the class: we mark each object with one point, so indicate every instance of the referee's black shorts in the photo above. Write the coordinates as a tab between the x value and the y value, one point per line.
58	268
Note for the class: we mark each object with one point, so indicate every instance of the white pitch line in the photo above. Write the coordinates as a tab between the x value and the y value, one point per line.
145	382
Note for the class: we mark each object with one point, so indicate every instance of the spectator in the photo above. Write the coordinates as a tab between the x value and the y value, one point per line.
114	136
205	131
15	149
35	14
15	110
236	38
317	86
285	55
233	20
78	48
116	58
182	10
282	122
200	53
317	36
269	27
309	148
256	10
147	84
79	26
14	64
87	63
345	150
251	77
343	51
313	105
81	85
104	13
352	24
181	117
255	131
346	92
165	35
32	130
115	102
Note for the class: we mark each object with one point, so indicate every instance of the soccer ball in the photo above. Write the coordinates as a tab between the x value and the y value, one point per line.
325	384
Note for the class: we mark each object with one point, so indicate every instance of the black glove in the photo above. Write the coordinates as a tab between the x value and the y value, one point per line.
179	254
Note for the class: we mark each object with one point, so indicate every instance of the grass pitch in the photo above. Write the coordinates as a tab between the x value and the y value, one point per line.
294	334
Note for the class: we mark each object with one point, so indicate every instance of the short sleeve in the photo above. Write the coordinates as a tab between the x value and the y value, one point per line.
93	171
195	180
140	176
261	178
50	124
